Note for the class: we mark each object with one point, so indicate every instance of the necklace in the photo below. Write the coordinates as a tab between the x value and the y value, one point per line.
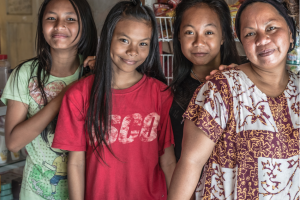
197	77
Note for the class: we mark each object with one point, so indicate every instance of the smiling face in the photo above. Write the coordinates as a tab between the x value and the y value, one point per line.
60	25
201	35
265	36
130	45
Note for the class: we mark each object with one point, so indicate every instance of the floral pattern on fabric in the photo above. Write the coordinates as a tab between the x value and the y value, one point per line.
256	155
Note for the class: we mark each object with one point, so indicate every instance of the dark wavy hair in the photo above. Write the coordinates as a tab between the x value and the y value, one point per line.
87	45
99	110
182	66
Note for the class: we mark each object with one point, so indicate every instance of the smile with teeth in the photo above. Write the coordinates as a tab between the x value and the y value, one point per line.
129	62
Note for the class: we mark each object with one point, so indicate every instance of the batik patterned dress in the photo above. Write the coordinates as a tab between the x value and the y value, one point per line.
256	153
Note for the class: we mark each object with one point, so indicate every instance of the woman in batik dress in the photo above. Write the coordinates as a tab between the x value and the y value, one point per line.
243	124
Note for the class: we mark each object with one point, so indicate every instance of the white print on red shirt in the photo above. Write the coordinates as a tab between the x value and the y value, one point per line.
146	129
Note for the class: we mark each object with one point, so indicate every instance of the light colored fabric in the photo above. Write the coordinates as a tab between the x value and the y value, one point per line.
40	165
256	155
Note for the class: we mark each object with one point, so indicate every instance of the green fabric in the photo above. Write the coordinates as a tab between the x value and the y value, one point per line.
44	175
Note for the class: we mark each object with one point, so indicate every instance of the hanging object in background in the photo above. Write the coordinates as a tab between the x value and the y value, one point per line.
4	72
3	150
165	8
233	11
293	58
293	6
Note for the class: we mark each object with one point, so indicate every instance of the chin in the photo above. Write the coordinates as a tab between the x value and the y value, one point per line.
199	63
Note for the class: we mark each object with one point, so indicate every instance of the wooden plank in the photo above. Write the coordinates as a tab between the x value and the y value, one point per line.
21	42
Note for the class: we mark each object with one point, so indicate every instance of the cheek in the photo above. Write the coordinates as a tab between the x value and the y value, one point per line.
214	46
185	45
249	48
144	53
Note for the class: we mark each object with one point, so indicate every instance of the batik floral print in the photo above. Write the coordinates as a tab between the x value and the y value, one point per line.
256	155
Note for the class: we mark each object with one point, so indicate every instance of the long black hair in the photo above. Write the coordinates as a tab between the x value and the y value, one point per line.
98	115
182	66
42	63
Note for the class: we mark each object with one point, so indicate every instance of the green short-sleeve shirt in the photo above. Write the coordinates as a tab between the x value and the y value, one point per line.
41	178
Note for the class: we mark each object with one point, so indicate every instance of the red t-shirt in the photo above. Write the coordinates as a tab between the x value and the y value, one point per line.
141	130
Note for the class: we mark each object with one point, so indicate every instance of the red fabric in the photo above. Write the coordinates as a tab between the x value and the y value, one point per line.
141	130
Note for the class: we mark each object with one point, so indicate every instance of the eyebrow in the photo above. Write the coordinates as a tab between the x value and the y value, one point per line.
271	20
67	13
189	25
123	34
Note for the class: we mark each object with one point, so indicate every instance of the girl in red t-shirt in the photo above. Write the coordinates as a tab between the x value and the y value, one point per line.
130	154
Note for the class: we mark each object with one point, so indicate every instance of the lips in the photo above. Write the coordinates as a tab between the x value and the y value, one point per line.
129	62
199	54
59	35
266	52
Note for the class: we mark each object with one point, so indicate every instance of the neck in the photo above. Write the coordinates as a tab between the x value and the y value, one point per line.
64	62
275	77
122	80
202	71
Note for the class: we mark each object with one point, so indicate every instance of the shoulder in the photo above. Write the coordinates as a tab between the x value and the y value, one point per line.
24	69
153	82
161	89
80	91
295	78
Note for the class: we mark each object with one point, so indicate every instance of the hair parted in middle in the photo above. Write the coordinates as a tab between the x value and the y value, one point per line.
97	122
229	54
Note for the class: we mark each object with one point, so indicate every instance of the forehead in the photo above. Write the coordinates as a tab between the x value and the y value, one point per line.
59	6
260	13
199	16
135	29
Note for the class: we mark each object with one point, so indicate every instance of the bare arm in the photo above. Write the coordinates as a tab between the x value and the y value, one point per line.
76	174
196	149
18	131
167	163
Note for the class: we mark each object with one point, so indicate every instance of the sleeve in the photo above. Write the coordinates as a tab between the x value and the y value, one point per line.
209	107
16	87
69	133
166	138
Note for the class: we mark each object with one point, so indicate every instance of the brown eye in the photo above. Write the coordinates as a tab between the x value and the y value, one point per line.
124	41
250	34
144	44
271	28
189	32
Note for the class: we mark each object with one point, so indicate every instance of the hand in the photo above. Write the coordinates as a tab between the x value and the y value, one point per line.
90	61
221	68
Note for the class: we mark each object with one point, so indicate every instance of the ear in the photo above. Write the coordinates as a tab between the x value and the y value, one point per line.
179	37
222	41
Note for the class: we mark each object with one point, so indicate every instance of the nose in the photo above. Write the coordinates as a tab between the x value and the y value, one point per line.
60	24
132	50
199	41
262	39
